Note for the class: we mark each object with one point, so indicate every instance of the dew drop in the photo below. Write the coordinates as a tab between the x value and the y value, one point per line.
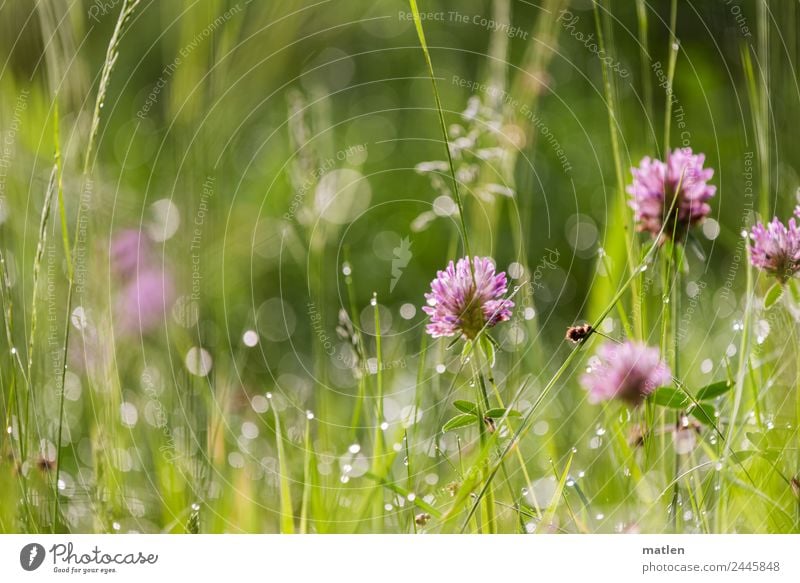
198	361
250	338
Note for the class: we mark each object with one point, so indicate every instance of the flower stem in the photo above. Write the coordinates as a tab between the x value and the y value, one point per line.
488	525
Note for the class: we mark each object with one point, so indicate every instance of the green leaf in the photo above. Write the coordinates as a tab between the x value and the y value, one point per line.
794	290
466	407
488	350
466	352
714	390
669	397
453	342
704	413
463	420
773	295
758	439
499	413
741	456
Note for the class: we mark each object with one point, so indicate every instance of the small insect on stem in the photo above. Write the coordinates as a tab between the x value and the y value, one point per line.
580	333
422	518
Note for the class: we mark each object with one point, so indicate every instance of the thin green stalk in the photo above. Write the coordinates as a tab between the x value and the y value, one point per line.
37	261
614	129
744	351
762	24
644	58
307	478
673	57
287	512
443	124
483	406
760	127
379	467
360	349
409	479
59	171
740	375
674	295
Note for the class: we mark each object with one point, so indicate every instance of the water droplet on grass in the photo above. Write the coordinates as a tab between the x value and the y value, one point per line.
250	338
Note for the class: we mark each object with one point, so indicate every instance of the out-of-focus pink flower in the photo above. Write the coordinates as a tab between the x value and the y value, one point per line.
464	302
655	186
128	250
142	304
145	287
629	371
776	247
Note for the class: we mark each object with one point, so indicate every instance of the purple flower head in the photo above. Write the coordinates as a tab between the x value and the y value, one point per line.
459	304
776	247
655	186
629	371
